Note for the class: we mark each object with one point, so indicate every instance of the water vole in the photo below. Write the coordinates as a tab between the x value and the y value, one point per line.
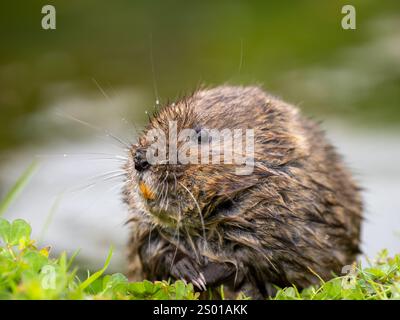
295	215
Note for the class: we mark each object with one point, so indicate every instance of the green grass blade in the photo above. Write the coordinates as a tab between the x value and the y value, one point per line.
49	218
97	274
17	187
71	260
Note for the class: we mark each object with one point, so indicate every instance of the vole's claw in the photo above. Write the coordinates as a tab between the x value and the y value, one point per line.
202	283
197	284
202	277
188	271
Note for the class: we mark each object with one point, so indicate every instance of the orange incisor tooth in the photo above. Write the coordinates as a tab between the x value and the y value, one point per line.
146	192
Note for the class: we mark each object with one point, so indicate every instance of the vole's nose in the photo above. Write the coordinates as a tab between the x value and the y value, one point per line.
140	160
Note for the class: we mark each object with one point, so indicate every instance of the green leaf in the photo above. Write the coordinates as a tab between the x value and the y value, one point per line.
18	187
180	290
19	229
113	280
5	228
288	293
34	260
137	288
149	287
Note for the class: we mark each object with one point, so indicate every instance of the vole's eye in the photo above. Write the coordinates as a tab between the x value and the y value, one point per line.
199	138
198	132
202	135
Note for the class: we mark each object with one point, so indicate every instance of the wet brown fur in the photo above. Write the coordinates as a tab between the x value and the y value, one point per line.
297	215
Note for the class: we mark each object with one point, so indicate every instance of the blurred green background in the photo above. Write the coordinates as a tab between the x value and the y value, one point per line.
296	49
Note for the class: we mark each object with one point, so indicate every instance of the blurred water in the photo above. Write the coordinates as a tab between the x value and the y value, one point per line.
374	157
88	211
92	217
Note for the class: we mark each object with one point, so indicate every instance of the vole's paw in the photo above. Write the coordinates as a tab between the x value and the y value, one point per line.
218	273
189	271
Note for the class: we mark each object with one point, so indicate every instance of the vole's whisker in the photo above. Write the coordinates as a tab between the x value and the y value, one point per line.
175	184
153	72
115	187
166	198
205	243
114	177
97	179
82	188
167	203
107	174
176	233
110	159
92	184
166	176
96	128
86	156
189	237
164	192
103	92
